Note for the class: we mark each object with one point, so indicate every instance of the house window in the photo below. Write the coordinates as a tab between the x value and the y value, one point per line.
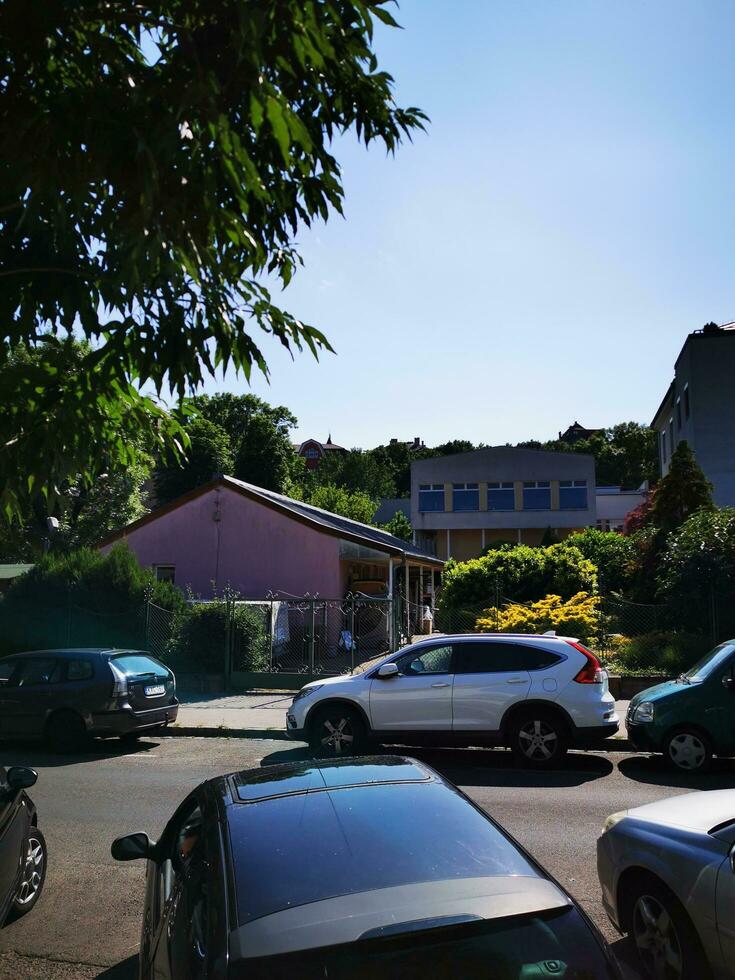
678	414
686	401
501	496
431	496
671	436
165	573
465	496
312	453
537	495
572	495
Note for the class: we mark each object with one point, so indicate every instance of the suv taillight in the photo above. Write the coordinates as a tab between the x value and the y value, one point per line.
593	671
120	682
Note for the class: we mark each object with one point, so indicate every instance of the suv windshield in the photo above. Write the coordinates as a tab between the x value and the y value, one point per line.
134	664
710	662
530	947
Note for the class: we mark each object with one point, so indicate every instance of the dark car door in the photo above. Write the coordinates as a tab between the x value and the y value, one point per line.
178	912
30	693
15	821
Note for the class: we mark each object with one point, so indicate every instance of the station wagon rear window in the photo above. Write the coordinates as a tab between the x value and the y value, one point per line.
133	664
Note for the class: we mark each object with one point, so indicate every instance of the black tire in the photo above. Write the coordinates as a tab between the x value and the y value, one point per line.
337	730
538	738
66	732
662	934
131	738
688	750
34	875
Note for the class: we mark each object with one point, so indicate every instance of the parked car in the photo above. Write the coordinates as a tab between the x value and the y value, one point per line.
667	872
356	868
68	695
692	717
539	695
22	845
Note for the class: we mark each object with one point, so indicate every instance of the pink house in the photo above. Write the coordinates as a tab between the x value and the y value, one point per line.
232	534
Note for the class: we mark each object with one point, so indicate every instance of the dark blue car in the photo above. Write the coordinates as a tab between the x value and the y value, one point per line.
22	845
373	867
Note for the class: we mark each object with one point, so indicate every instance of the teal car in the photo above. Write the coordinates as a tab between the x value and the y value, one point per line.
692	718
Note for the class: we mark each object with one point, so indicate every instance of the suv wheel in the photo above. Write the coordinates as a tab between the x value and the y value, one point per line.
33	874
66	732
335	731
664	937
538	739
688	750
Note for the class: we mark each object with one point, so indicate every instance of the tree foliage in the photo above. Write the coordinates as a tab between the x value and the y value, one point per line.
356	505
399	526
208	453
698	561
156	161
613	555
266	456
681	492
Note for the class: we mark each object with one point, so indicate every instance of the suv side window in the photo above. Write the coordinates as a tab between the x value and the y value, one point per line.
7	669
435	660
494	658
79	670
39	670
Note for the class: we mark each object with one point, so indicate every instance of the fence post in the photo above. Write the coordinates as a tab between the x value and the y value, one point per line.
352	628
272	637
311	635
229	611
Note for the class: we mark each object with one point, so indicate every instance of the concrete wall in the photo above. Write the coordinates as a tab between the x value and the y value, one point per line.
613	508
707	365
252	548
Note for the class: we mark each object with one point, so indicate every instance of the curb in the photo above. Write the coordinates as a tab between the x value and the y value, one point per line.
614	744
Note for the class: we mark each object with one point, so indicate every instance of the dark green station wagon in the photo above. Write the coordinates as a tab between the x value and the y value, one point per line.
692	718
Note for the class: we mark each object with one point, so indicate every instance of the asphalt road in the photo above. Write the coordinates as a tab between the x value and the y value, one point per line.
87	922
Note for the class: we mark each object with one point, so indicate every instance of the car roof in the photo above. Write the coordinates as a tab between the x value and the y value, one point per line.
77	651
454	637
701	811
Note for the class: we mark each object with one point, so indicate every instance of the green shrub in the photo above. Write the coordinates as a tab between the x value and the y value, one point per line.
660	652
521	574
614	556
82	598
199	637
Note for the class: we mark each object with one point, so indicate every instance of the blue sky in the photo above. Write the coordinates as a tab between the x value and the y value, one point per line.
540	254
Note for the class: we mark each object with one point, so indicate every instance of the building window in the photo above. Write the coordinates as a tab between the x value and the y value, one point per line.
501	496
663	446
465	496
686	401
572	495
165	573
671	436
537	495
312	453
431	496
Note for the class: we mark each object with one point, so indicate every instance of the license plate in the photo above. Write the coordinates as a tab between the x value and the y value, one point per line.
151	692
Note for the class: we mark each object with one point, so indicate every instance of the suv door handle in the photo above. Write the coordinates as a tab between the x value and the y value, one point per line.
516	680
440	684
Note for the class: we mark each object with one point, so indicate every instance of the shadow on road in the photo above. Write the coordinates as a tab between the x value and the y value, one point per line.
36	754
126	970
482	767
654	770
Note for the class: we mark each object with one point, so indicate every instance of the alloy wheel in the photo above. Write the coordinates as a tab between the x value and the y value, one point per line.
32	876
656	939
339	735
687	751
538	740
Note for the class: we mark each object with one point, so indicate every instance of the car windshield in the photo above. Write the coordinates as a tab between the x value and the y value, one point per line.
135	664
530	947
710	662
337	842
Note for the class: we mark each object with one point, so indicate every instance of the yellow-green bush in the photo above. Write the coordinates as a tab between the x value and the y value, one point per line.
578	616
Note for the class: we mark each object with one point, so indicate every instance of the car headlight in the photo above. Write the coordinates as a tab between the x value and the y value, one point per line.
613	819
305	692
643	713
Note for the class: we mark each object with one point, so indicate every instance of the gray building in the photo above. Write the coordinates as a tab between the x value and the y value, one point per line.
462	503
699	407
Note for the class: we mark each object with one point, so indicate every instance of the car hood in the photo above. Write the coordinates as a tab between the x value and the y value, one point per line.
659	691
700	811
329	681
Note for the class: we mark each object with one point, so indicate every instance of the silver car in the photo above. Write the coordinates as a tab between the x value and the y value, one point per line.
667	872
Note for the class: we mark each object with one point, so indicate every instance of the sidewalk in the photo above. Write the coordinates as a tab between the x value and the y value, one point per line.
263	716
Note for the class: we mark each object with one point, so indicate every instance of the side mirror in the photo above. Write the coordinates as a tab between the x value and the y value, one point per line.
132	847
728	682
21	777
387	670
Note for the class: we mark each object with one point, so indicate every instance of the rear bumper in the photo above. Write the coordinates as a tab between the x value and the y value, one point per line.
126	720
589	737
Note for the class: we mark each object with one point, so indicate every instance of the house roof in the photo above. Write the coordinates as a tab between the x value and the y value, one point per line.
322	520
322	445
